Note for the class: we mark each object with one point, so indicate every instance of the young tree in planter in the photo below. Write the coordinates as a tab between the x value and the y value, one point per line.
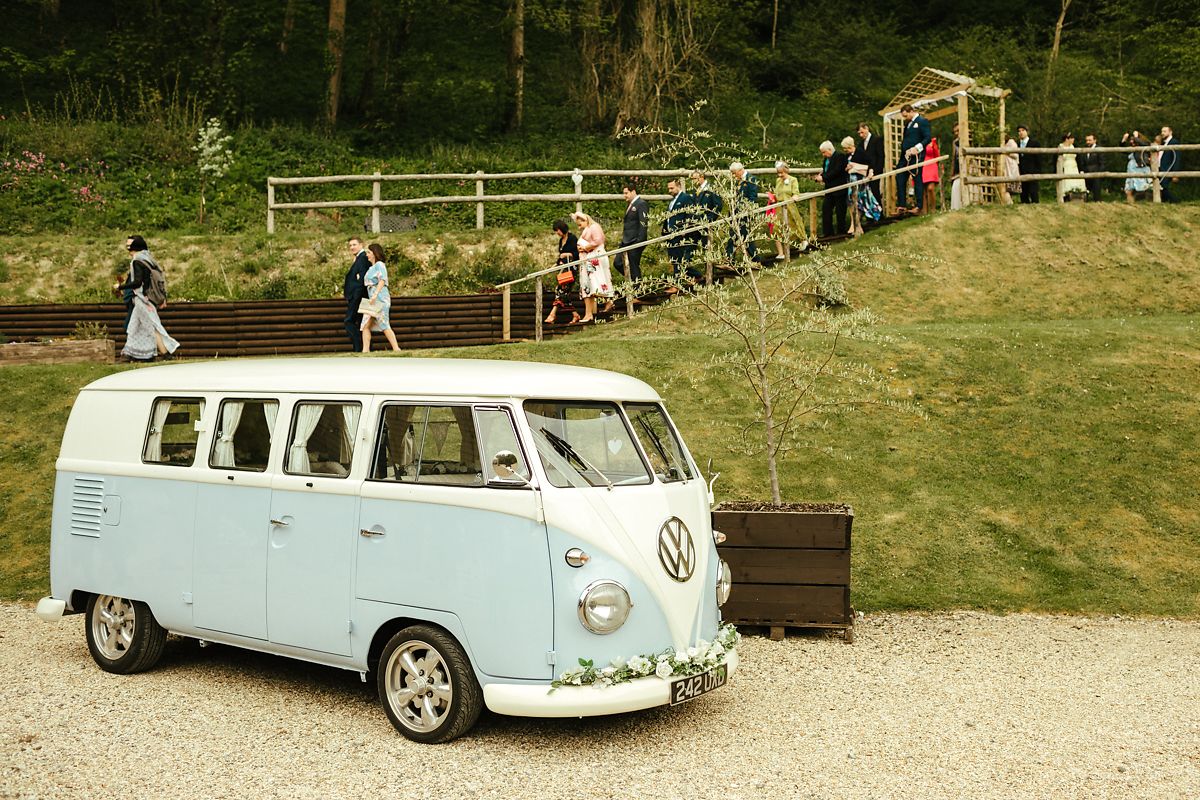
788	326
214	158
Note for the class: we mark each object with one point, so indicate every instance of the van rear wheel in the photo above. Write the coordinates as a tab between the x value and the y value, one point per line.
122	635
426	685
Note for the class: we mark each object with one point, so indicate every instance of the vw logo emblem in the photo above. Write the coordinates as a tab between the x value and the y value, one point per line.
675	549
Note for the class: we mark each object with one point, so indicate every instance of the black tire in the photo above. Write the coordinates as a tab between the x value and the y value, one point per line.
431	696
122	635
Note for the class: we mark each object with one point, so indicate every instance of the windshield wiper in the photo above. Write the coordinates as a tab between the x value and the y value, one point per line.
566	451
658	445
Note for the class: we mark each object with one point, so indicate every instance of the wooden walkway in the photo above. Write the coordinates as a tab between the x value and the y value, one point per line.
279	327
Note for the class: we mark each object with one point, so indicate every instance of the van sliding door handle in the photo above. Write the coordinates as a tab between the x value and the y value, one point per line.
376	531
280	522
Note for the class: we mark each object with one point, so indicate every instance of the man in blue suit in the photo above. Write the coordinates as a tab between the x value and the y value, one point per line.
354	290
680	249
917	136
745	198
1168	162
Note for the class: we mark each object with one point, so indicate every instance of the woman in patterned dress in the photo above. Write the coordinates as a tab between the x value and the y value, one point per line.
376	281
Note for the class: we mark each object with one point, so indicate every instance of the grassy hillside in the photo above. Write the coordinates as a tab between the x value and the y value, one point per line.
1055	351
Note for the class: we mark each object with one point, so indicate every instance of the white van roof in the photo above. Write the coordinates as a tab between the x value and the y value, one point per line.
399	376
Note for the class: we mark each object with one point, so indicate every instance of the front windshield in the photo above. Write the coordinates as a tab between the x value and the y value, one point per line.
584	444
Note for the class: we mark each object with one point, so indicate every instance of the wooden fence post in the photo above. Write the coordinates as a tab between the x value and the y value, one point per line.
270	206
479	206
537	311
506	314
376	196
812	218
578	179
1156	179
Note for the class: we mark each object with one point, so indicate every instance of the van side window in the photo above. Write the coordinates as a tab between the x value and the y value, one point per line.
428	444
322	440
498	436
171	436
243	437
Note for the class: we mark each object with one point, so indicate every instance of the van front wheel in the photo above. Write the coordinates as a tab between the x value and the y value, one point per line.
123	635
426	685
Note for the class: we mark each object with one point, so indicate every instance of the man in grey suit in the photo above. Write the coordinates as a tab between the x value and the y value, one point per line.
635	229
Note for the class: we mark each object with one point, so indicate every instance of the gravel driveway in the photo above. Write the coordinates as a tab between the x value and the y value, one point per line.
948	706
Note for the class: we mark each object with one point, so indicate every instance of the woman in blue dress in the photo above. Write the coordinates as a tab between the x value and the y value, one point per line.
376	281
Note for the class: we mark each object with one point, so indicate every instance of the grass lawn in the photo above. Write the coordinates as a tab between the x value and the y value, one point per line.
1055	470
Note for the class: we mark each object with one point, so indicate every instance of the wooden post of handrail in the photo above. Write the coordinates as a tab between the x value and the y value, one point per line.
479	206
812	218
376	196
506	314
537	310
270	206
578	179
1156	180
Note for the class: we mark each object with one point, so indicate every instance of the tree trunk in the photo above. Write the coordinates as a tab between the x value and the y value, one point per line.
590	43
516	66
335	50
289	24
774	24
366	93
1048	90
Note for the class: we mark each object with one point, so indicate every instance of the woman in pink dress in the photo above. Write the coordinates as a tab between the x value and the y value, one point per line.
595	274
929	174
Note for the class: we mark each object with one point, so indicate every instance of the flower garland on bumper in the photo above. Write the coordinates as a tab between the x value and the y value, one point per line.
667	664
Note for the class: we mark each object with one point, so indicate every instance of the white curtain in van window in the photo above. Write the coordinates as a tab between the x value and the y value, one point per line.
231	415
154	440
350	417
270	411
307	418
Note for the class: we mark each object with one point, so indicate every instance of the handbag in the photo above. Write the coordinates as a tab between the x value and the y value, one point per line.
565	277
370	308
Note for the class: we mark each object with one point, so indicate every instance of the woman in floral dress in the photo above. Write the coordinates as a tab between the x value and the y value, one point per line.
376	281
595	278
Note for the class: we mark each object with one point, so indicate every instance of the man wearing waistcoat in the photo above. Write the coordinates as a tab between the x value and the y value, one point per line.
1029	165
635	229
917	135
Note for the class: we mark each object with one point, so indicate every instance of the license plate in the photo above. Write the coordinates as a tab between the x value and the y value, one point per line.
691	687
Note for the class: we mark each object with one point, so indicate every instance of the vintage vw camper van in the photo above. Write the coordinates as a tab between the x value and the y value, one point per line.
528	537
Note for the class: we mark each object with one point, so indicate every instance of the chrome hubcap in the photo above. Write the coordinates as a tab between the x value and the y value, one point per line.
418	686
112	626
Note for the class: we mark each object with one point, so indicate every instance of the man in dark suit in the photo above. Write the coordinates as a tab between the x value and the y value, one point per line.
833	174
354	290
708	205
635	229
917	135
680	250
1168	162
870	152
1028	165
745	198
1091	162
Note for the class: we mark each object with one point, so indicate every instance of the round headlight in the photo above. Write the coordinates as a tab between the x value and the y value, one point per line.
724	582
604	606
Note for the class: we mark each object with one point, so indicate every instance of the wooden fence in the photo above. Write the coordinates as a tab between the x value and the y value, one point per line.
480	197
1156	177
278	327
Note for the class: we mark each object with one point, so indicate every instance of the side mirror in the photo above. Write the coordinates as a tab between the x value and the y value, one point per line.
504	470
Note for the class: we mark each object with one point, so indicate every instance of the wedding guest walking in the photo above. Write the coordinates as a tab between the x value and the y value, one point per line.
1168	163
917	134
1030	164
635	228
145	336
1091	162
568	276
680	249
378	310
1138	166
745	197
353	289
834	173
1011	164
791	221
869	152
930	177
1067	164
595	278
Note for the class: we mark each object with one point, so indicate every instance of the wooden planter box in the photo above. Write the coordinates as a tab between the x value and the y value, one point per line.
791	569
62	351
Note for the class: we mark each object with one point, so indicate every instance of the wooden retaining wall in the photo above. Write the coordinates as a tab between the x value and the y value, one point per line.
277	327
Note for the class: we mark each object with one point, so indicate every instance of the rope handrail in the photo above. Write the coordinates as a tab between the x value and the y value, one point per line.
722	221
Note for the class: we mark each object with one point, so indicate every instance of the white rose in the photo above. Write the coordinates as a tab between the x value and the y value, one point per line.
617	663
681	656
692	652
663	670
701	645
577	680
608	672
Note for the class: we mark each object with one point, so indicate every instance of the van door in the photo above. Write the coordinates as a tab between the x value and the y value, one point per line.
229	560
314	505
439	531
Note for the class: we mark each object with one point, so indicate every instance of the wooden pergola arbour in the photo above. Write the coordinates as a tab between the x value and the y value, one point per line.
937	93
